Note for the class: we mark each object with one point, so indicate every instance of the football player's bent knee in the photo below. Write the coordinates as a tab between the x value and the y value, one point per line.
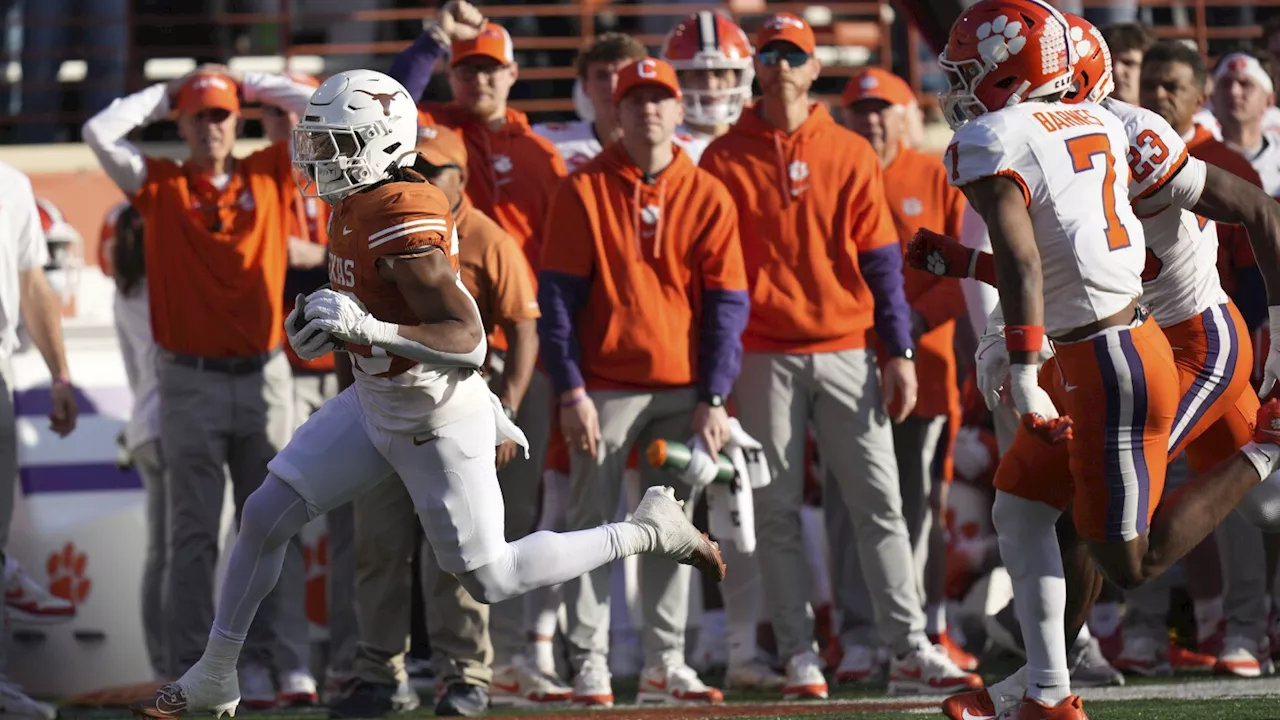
1121	563
273	513
1262	505
490	583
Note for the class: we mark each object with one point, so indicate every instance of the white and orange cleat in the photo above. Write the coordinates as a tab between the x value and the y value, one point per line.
26	601
1070	709
520	684
1145	656
1244	658
755	675
980	705
928	669
963	659
859	664
297	689
593	685
675	685
805	680
195	693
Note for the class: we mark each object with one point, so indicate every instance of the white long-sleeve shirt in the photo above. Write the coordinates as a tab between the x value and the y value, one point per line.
106	132
22	248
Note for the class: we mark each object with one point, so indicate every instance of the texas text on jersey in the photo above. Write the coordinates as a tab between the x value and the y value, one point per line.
397	218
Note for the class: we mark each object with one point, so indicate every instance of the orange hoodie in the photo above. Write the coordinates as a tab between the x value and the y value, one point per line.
819	242
511	172
644	286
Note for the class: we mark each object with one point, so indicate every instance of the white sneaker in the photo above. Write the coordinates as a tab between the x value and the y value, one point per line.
14	703
194	692
1144	656
675	685
297	689
593	686
804	678
929	669
520	684
676	537
1245	658
257	687
860	664
755	675
712	648
27	601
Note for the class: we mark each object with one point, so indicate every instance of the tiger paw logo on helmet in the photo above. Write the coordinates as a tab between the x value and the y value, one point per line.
1000	38
1084	46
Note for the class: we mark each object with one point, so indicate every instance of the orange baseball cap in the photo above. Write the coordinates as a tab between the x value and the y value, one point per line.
875	83
786	27
441	146
208	92
493	42
646	71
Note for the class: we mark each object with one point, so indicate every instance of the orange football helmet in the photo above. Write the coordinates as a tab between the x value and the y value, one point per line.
1093	81
1002	52
711	41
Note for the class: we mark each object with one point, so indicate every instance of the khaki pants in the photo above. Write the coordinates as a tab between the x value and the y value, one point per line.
387	530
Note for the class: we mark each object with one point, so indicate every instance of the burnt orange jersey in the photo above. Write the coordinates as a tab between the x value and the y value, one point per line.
395	218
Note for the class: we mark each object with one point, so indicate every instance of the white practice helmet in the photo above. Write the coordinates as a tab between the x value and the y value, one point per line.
359	125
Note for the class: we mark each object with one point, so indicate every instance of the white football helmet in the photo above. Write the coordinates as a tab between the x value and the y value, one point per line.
359	125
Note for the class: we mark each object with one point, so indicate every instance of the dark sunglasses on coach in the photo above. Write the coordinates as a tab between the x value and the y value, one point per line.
795	57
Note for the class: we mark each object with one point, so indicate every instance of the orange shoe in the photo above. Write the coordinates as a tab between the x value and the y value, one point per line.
964	660
973	705
1070	709
1183	660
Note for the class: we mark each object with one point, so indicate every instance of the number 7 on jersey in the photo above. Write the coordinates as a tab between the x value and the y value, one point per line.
1083	150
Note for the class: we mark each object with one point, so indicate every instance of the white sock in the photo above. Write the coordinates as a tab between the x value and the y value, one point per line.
1265	457
1029	547
1104	619
547	558
935	619
1208	617
544	656
221	654
1012	687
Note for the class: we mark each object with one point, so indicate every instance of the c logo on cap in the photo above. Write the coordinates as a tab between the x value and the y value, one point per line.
647	68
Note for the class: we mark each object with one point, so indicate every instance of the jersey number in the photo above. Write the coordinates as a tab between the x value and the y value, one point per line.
1082	150
1140	168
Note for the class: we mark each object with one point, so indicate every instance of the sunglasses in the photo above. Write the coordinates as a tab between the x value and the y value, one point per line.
795	57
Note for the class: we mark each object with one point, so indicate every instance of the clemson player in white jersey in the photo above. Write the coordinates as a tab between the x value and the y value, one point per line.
418	409
1182	289
1069	253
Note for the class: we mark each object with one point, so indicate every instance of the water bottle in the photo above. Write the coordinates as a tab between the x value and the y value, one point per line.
675	457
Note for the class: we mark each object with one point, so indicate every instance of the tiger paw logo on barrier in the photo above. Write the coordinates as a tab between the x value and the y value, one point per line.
67	576
316	560
1000	39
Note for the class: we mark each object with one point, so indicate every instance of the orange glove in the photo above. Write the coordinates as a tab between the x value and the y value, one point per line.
1052	432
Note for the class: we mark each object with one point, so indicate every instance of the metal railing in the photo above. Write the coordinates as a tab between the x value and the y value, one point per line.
868	27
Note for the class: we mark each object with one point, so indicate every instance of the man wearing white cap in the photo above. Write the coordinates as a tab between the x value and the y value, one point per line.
1242	94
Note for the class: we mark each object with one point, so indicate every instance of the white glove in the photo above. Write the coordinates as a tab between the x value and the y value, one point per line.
310	342
1272	368
342	316
1028	397
992	358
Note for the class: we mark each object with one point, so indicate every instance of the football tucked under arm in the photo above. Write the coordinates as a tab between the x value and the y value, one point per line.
308	341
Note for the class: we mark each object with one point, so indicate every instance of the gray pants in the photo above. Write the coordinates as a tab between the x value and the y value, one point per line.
627	418
211	422
387	532
310	391
1245	597
8	458
916	444
776	396
149	462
